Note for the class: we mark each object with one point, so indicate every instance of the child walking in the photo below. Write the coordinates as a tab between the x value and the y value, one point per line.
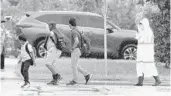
26	59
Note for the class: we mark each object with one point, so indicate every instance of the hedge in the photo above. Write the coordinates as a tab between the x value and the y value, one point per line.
161	28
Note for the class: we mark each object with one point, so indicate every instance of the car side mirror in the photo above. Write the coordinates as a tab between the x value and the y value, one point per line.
109	30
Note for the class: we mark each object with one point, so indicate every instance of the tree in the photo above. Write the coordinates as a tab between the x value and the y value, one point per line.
55	5
89	6
163	5
13	2
122	13
94	6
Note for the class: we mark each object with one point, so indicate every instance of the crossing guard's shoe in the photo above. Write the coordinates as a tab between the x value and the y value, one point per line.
157	81
140	81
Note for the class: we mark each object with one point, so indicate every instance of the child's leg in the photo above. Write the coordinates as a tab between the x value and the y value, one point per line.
26	66
2	61
51	58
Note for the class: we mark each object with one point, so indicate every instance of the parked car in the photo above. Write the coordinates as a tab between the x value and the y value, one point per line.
120	43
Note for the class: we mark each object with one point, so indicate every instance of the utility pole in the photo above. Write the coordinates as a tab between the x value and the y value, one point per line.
105	36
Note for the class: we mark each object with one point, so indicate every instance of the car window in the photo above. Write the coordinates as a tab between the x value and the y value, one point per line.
60	18
109	26
80	20
65	19
50	17
112	25
95	22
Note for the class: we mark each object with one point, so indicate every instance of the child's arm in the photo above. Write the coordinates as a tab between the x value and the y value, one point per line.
20	59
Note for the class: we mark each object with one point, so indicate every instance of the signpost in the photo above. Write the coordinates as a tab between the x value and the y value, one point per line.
105	36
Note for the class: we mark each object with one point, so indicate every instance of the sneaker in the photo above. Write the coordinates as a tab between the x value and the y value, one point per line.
55	82
25	85
138	85
58	78
87	78
157	81
51	82
72	83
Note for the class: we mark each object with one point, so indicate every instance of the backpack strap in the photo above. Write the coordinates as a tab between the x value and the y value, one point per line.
56	44
45	45
81	37
28	52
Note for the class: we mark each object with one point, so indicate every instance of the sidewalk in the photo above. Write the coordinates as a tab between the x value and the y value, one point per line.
10	86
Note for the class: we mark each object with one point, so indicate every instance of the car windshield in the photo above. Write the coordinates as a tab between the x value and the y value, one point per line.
109	23
22	18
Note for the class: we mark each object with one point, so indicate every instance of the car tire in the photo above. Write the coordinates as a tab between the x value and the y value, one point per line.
40	50
129	52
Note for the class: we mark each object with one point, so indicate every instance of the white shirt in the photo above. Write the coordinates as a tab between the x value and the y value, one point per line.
23	53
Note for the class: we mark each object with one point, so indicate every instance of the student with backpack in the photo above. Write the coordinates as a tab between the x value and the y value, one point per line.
77	46
54	44
26	59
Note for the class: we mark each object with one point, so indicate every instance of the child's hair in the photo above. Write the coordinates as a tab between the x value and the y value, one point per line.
72	21
22	38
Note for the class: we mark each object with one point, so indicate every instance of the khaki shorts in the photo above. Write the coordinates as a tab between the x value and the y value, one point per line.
52	55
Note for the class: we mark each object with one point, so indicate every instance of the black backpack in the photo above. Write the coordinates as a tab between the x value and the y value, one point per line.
62	41
28	52
61	44
85	43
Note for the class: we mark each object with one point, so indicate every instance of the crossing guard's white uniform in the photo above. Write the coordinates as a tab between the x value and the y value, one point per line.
145	51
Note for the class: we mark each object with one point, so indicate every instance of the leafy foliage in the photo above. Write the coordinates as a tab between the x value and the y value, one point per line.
122	13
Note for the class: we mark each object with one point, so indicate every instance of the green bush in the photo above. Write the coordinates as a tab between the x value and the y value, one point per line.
161	29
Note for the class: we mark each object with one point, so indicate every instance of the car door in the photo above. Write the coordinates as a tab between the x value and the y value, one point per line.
94	28
113	38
